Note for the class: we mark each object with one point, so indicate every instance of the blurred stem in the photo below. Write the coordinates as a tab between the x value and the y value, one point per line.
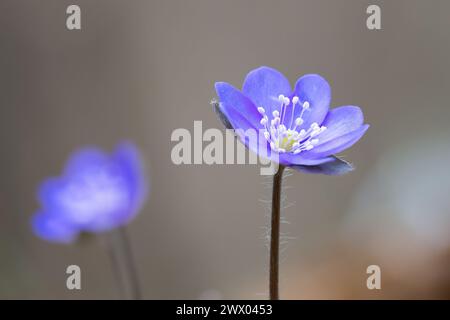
115	262
122	260
275	234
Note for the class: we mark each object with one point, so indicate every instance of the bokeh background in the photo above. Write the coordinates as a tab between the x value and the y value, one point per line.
140	69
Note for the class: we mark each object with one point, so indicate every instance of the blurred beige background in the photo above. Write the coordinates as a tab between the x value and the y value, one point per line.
139	69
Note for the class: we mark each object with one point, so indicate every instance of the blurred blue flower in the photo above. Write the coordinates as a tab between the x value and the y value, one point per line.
97	192
298	128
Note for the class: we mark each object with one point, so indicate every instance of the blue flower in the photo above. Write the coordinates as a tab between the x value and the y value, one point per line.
97	192
298	128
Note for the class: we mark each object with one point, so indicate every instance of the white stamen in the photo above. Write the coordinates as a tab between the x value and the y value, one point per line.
298	121
306	105
314	133
283	136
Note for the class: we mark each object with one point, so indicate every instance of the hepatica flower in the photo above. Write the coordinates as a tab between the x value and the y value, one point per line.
298	128
96	192
295	128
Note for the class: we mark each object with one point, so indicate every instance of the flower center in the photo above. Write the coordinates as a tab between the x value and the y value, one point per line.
284	135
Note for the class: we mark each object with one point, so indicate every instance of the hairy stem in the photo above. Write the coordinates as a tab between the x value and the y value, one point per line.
275	234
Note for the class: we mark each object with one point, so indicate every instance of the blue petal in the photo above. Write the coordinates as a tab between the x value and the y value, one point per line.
233	103
50	195
85	160
51	228
290	159
338	144
258	143
264	85
127	157
316	90
336	167
340	121
342	125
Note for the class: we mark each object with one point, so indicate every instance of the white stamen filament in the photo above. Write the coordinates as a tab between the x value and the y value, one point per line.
285	137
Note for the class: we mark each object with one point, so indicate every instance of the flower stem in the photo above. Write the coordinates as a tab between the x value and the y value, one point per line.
123	264
275	234
115	262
